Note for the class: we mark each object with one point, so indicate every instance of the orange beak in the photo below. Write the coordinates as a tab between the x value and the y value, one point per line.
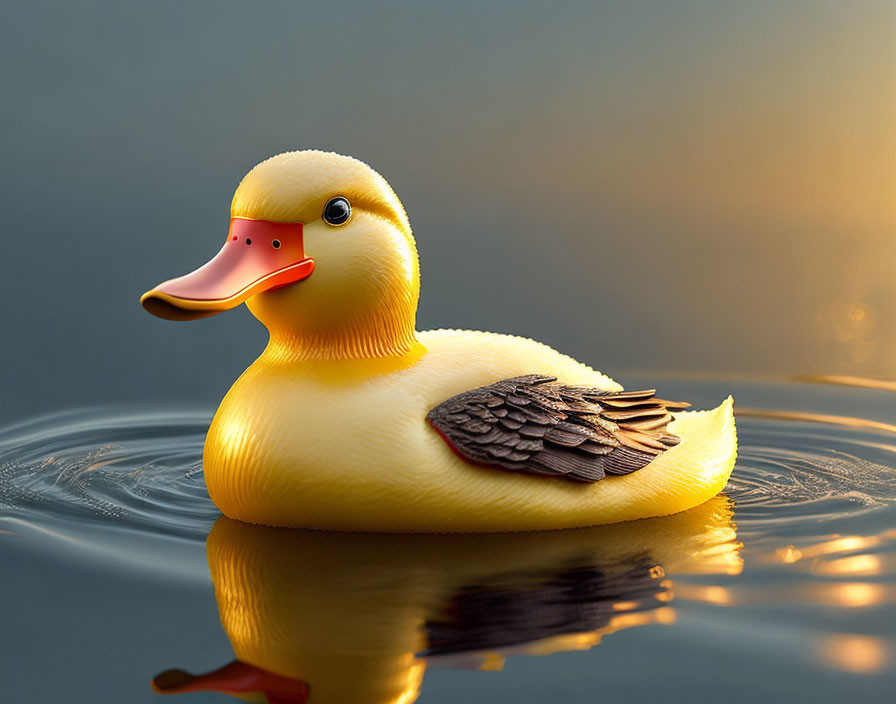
234	679
258	256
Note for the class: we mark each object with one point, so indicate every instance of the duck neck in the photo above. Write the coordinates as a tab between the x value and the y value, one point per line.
378	338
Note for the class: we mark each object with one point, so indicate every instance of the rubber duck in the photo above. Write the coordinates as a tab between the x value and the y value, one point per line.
327	618
353	420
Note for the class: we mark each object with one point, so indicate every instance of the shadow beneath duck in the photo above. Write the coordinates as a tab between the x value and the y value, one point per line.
331	618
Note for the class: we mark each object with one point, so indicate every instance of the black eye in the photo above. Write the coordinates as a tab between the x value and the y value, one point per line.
337	211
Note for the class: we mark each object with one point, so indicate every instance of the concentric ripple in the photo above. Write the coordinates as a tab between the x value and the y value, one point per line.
143	471
794	471
136	470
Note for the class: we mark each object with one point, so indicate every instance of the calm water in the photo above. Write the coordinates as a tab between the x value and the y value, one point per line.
784	589
734	156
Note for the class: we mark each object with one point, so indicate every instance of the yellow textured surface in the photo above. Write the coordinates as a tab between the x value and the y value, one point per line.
361	300
291	447
327	429
346	613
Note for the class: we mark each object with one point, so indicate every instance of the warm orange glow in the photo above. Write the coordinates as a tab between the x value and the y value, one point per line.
626	605
856	565
854	594
847	421
719	553
566	642
855	653
493	662
838	594
664	615
838	544
846	322
708	594
789	554
735	568
848	544
414	683
847	380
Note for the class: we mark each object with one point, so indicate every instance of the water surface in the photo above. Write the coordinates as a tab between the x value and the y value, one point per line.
784	588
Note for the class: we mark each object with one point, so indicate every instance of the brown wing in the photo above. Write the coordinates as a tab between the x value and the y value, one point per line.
494	614
534	424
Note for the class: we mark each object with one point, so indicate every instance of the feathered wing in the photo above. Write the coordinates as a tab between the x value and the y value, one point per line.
535	424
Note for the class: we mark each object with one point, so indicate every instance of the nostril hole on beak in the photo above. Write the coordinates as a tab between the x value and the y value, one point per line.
248	240
275	244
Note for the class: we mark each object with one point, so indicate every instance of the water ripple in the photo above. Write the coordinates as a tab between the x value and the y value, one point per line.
134	470
793	470
143	471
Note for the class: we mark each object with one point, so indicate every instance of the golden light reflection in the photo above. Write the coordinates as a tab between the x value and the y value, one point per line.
359	618
848	595
789	554
846	421
493	662
858	654
706	594
665	616
859	565
847	322
855	542
847	380
852	543
853	594
665	596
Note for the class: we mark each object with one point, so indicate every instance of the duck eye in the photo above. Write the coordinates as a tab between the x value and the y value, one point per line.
337	211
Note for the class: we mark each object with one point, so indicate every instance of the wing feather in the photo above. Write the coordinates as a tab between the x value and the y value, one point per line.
535	424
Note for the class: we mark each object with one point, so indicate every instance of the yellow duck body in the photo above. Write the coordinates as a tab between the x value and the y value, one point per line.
293	445
328	429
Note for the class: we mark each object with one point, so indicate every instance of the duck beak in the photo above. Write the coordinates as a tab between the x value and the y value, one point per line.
235	679
258	256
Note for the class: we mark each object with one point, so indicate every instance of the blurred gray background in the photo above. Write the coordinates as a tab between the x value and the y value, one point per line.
695	187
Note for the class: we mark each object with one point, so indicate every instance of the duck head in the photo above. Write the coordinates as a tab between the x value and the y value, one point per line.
320	250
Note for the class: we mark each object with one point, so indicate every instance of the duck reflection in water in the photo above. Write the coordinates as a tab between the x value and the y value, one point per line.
339	618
